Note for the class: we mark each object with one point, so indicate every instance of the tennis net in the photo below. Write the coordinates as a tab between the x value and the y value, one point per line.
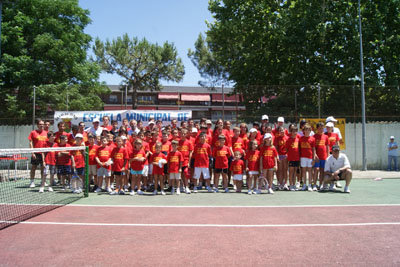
54	184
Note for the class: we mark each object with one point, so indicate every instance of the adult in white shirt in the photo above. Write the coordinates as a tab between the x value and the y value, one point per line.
337	167
95	130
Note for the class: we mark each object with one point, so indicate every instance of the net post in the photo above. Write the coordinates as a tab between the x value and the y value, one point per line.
87	172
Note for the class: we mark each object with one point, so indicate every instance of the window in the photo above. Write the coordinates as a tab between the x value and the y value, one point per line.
129	99
113	99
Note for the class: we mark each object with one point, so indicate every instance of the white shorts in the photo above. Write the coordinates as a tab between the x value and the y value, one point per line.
254	173
175	175
198	171
305	162
146	170
103	172
150	169
92	170
50	169
238	177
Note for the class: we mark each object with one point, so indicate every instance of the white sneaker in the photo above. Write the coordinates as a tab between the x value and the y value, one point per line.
178	191
209	189
314	188
32	184
50	189
195	189
285	187
112	186
109	190
155	192
346	189
332	187
292	188
140	192
76	191
338	185
162	192
45	184
304	188
132	193
41	190
270	191
297	185
309	188
188	190
114	192
227	190
249	192
257	192
98	190
172	191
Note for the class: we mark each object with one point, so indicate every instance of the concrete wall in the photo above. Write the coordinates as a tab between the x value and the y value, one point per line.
377	137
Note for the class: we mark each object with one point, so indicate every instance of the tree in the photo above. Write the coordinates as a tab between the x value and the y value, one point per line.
141	64
44	45
275	48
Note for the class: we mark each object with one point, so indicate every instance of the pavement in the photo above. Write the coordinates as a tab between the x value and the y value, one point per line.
372	174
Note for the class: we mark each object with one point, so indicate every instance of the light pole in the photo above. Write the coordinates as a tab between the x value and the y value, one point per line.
223	103
364	147
34	108
319	101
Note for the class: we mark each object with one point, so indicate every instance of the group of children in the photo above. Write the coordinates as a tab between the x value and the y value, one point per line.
187	157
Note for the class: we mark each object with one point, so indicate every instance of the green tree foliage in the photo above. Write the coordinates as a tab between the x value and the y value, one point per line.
289	49
141	64
44	45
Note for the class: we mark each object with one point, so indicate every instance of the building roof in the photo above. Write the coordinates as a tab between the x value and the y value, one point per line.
178	89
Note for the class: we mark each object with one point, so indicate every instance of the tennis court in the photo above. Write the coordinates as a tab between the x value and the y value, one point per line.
287	228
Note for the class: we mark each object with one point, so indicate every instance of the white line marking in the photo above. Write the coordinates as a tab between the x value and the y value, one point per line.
200	206
208	225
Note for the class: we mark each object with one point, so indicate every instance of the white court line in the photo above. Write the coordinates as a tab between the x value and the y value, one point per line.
207	225
203	206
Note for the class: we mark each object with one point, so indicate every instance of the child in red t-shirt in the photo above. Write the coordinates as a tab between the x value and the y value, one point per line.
78	164
103	159
221	154
237	168
293	156
186	148
280	144
175	160
92	160
201	154
252	167
49	163
137	161
120	157
268	160
322	150
63	161
158	160
307	157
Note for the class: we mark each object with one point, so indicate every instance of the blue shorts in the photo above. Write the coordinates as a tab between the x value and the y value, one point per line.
320	164
63	169
80	171
133	172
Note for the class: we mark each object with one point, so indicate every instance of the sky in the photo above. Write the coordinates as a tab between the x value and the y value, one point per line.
175	21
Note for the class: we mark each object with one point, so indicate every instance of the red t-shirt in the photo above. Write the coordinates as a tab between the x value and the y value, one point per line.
237	167
238	144
58	134
166	147
104	154
321	141
185	147
253	160
280	144
146	147
221	156
119	156
292	146
268	154
173	159
201	153
93	154
306	147
50	158
154	159
63	159
38	138
79	157
333	138
137	165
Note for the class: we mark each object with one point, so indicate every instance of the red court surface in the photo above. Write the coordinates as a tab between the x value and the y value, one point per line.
144	236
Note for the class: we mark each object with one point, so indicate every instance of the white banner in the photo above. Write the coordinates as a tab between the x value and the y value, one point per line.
74	117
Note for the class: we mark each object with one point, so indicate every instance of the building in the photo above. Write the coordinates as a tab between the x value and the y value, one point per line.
202	101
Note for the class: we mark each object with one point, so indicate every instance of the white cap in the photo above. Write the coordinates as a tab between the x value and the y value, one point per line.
330	118
392	137
79	135
264	117
253	130
96	120
208	122
329	124
281	119
194	130
151	122
123	137
267	135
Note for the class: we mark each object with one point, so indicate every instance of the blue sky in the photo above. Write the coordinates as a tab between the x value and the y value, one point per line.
176	21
